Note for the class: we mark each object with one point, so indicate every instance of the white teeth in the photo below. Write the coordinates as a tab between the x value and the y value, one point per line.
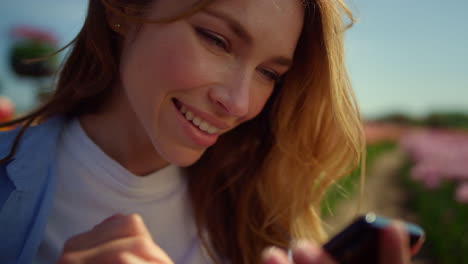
200	123
204	126
196	120
189	116
212	130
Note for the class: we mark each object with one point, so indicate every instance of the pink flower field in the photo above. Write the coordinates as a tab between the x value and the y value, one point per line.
438	156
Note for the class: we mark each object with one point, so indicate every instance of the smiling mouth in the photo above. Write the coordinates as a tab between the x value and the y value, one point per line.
196	121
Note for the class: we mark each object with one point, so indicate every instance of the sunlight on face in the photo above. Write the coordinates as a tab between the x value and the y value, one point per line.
192	80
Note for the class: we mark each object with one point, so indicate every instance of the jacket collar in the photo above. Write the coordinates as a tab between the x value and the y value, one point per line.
34	154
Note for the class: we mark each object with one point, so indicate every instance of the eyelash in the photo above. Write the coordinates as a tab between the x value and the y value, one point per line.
219	42
213	39
270	75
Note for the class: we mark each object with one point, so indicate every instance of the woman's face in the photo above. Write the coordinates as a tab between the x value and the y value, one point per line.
192	80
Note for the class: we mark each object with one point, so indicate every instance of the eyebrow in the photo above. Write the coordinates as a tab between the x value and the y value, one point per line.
242	33
233	24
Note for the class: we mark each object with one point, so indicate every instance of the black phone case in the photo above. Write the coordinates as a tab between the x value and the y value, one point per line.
359	242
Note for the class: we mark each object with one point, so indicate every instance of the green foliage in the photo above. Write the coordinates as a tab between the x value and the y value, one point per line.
443	218
399	118
458	120
347	186
30	49
447	120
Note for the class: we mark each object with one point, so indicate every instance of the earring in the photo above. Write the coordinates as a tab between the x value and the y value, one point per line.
117	26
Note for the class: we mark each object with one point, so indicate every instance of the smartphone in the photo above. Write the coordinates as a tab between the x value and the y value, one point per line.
359	242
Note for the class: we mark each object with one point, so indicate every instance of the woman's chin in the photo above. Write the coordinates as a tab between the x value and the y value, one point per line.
185	159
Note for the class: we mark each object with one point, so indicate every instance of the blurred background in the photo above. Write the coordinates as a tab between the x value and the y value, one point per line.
408	63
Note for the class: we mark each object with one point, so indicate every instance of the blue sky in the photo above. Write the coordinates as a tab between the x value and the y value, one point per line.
409	55
402	55
63	18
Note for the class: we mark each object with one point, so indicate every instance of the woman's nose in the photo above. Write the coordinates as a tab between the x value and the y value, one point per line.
232	98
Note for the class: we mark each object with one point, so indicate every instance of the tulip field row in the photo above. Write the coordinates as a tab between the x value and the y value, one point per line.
436	176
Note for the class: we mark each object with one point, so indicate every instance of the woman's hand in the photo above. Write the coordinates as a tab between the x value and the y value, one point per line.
303	253
118	239
393	245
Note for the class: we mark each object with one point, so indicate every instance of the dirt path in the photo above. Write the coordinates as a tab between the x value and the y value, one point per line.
383	195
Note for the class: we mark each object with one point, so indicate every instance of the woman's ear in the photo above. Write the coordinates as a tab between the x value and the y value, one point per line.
116	22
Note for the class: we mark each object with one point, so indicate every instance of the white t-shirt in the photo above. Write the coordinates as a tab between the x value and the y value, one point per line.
91	187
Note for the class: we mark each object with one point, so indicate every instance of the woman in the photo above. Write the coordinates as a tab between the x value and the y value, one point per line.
250	97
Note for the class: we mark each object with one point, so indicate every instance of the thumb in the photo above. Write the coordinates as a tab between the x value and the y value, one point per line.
115	227
394	245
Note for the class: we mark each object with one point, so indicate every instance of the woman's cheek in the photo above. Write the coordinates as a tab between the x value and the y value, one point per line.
189	67
258	98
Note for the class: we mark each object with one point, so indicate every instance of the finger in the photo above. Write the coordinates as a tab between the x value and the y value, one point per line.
130	259
115	250
306	252
394	243
416	247
274	255
115	227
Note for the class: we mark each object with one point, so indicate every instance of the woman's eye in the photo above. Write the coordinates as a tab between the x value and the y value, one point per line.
270	75
213	38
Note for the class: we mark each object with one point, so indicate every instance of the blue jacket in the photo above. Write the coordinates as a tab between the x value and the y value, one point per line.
26	190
